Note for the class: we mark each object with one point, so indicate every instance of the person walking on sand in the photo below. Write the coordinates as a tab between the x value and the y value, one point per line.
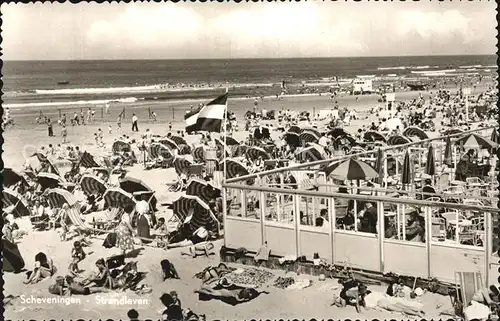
119	123
49	127
107	108
64	133
135	128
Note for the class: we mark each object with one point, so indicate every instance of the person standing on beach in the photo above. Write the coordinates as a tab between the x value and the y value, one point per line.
135	128
88	116
119	123
64	133
82	117
49	127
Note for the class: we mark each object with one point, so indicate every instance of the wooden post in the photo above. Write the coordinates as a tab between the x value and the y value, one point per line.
332	219
488	241
428	239
381	232
224	212
262	216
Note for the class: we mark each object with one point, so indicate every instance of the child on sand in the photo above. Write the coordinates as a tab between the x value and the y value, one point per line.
77	255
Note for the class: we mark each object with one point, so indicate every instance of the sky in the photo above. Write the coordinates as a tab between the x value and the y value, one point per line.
55	31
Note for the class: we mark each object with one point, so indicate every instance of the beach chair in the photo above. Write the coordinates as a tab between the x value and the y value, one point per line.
466	285
74	216
438	228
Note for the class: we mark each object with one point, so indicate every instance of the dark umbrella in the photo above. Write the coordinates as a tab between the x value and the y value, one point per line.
292	139
372	136
430	165
132	185
12	177
118	198
17	201
406	175
415	131
476	141
49	180
448	153
91	184
178	140
202	189
294	129
397	140
233	168
337	132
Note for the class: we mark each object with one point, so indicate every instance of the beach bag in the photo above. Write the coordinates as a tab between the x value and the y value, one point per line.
110	240
115	261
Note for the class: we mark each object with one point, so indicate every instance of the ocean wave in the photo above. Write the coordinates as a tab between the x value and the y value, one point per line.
471	66
407	67
102	90
72	103
434	71
392	68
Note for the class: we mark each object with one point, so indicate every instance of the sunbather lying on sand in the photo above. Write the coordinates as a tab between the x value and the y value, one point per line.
230	294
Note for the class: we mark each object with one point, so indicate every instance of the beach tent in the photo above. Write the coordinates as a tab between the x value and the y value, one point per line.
12	259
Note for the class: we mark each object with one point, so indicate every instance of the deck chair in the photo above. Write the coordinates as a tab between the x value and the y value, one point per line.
81	227
466	285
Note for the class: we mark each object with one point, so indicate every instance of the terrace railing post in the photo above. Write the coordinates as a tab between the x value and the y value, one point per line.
296	221
428	239
332	218
262	201
381	230
488	241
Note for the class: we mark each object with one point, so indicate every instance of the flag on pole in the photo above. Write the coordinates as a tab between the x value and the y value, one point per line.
207	118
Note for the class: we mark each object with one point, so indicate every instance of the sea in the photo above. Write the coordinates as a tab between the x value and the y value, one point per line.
93	82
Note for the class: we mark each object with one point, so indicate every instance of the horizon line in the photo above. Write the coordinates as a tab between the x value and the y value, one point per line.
261	58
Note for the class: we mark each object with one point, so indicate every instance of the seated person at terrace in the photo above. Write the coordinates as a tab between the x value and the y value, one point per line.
428	189
368	219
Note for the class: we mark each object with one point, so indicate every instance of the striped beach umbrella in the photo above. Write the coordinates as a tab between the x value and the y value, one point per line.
311	130
16	201
379	166
92	184
255	152
397	140
184	149
494	136
308	137
292	139
184	203
49	180
57	197
415	131
118	198
169	142
230	141
351	169
132	185
198	153
240	151
448	153
12	177
373	136
234	168
120	146
182	165
312	153
178	140
430	165
294	129
476	141
87	160
157	149
221	147
202	189
406	173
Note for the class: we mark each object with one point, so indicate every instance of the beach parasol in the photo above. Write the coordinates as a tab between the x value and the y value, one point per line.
87	160
170	143
57	197
230	141
494	136
240	150
292	139
475	141
12	177
92	184
49	180
132	185
337	132
233	168
156	150
452	131
182	165
198	153
308	137
184	149
254	153
415	131
220	146
430	165
351	169
379	166
312	130
373	136
312	153
17	201
178	140
202	189
118	198
294	129
201	216
448	153
120	146
397	140
406	173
